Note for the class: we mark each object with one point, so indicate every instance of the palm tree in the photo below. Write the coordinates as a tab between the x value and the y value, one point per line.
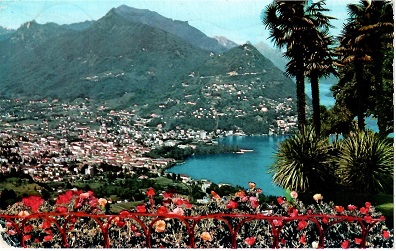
365	163
361	52
288	25
319	62
303	162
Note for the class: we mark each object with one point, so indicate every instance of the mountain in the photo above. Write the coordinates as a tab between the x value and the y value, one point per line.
125	60
274	55
225	42
178	28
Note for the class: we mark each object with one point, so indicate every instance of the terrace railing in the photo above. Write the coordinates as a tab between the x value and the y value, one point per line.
134	230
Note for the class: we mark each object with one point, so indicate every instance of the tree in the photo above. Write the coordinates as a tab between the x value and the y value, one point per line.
318	55
364	43
365	162
304	162
288	24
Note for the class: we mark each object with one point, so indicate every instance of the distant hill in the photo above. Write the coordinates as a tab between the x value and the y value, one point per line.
178	28
135	57
274	55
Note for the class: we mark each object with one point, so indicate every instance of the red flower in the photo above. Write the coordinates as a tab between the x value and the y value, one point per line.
48	238
293	212
367	204
124	213
162	210
385	234
303	239
325	220
133	228
33	201
188	205
280	200
94	202
178	202
351	207
250	241
283	241
120	223
150	192
368	218
28	229
302	224
215	195
339	209
232	204
167	195
345	244
363	210
277	223
61	210
358	241
141	208
46	224
27	237
64	198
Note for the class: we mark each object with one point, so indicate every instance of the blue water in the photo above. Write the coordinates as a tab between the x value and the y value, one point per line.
237	169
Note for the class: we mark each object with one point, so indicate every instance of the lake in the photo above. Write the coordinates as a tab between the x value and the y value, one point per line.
239	169
234	168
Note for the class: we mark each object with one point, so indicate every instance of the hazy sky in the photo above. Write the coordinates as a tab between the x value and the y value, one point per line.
238	20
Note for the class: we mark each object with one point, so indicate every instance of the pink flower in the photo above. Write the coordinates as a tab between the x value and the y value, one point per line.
178	211
367	204
351	207
254	202
23	213
232	204
293	212
345	244
11	232
85	195
250	241
294	194
244	198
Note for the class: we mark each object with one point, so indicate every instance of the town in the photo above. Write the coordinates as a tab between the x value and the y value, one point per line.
54	141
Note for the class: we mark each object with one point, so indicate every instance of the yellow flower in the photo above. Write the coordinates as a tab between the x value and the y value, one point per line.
102	202
206	236
160	226
317	197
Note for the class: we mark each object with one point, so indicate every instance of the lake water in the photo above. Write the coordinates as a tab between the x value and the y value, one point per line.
234	168
239	169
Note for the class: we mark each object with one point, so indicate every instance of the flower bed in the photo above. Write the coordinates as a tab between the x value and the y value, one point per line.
80	220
